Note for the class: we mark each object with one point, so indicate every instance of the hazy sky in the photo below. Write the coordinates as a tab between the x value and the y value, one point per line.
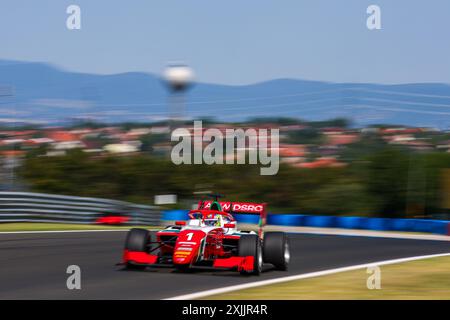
236	42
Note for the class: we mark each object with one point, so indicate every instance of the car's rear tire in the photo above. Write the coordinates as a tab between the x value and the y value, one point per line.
137	240
250	245
276	249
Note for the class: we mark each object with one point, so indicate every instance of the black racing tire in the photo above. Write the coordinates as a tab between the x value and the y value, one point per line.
250	245
137	240
276	249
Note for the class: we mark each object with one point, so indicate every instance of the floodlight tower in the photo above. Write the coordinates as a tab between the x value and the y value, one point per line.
178	77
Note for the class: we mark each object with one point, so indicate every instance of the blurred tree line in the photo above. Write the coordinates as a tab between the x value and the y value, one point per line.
386	182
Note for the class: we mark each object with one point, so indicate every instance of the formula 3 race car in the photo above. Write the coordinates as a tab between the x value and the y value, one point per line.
211	240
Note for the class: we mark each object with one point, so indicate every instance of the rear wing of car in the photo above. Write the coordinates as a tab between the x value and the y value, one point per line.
240	208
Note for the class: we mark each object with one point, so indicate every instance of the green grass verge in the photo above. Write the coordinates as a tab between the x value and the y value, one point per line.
421	279
25	226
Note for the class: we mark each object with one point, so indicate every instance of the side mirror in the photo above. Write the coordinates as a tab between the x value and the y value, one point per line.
180	223
229	225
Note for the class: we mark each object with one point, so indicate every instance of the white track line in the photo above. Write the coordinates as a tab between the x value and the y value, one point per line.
288	229
299	276
359	233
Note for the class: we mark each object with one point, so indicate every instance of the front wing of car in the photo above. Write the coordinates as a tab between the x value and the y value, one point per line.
151	260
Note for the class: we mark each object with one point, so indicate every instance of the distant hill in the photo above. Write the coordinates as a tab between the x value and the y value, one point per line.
42	92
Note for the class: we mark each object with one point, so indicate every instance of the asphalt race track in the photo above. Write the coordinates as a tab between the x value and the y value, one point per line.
33	266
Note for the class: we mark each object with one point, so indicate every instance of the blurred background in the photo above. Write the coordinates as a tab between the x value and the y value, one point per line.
364	115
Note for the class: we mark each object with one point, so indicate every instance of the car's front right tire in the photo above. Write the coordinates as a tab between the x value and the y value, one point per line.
137	240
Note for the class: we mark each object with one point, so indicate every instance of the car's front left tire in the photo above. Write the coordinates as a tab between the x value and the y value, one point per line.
250	245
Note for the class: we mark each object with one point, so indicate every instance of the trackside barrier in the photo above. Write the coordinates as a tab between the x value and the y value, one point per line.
42	207
172	215
379	224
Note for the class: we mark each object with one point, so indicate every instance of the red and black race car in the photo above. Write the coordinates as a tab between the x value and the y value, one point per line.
209	239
